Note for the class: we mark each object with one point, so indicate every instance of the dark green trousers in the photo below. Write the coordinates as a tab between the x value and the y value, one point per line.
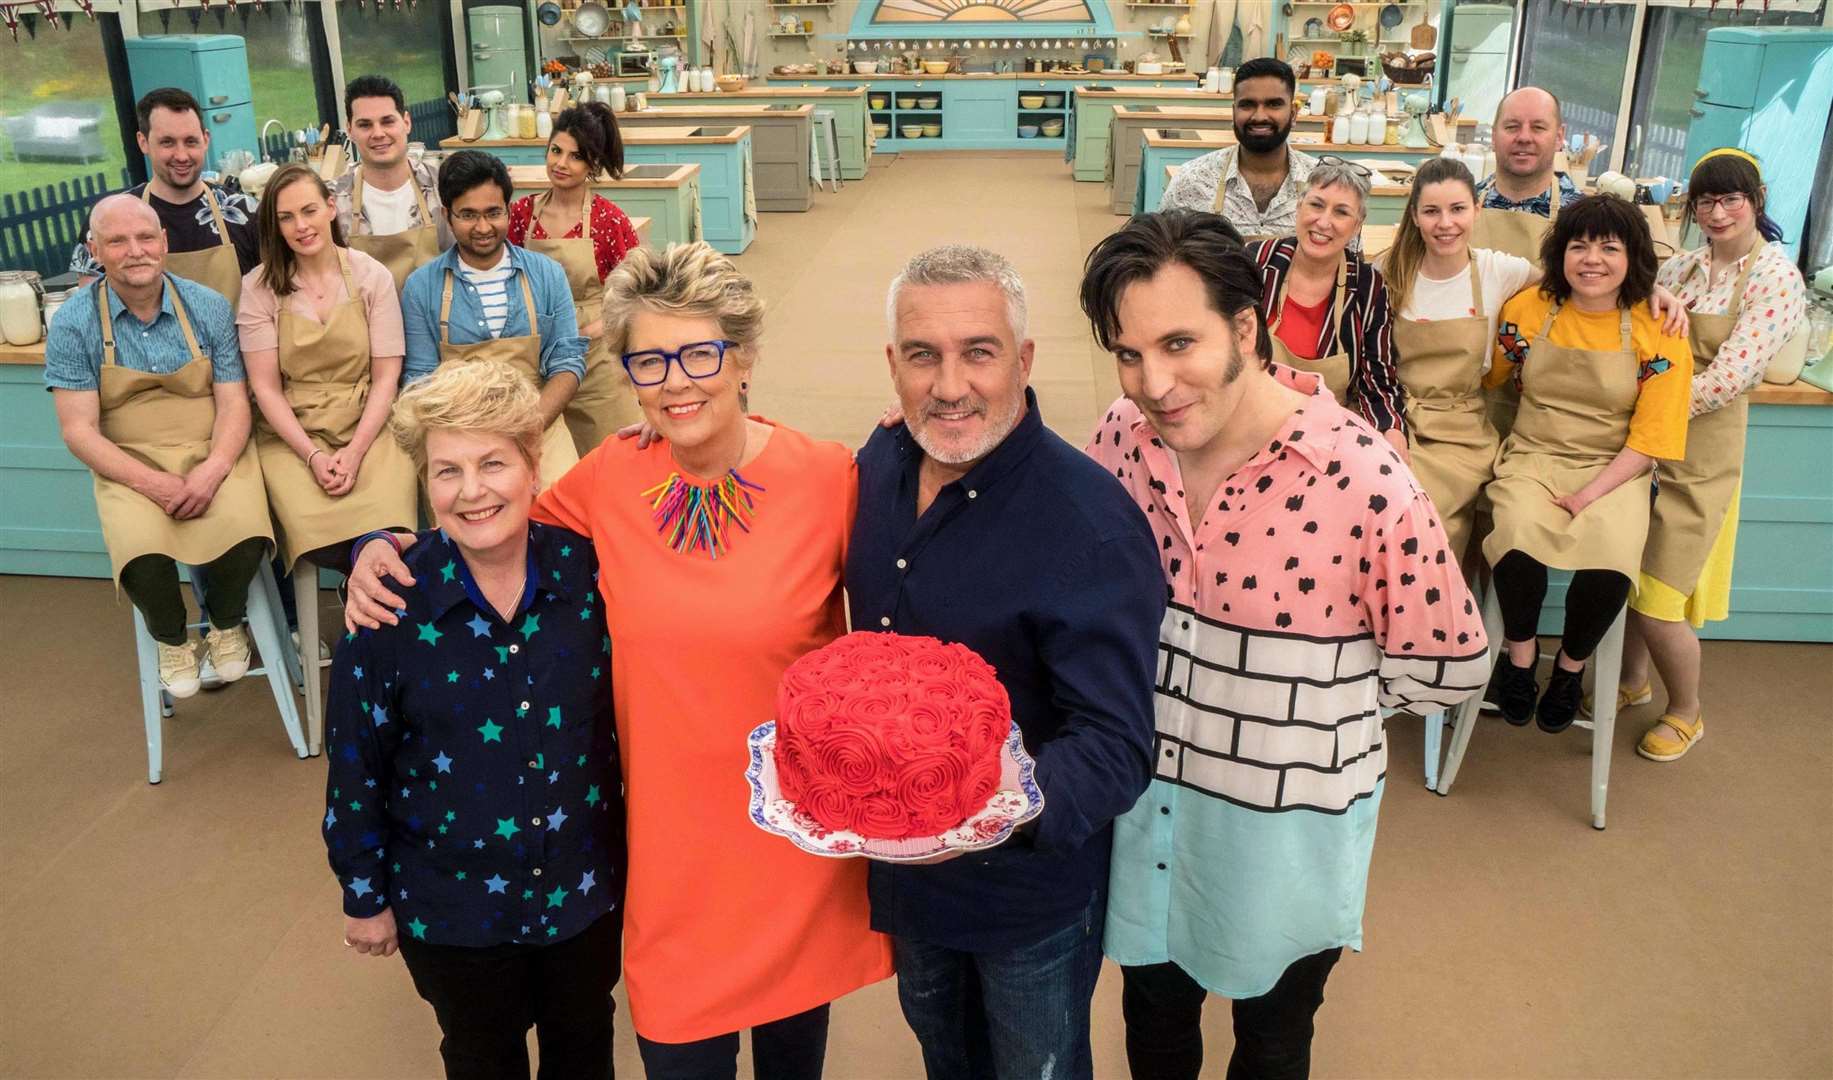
151	582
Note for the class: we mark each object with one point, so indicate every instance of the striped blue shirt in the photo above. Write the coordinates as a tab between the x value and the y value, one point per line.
562	349
73	344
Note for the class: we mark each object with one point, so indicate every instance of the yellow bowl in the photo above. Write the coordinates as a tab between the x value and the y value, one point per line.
1031	101
911	131
932	131
935	67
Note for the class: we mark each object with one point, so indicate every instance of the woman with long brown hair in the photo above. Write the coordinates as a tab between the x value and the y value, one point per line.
320	329
1446	296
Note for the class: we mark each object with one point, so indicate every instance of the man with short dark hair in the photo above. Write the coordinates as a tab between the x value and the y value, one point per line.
210	229
1254	184
388	204
978	525
485	298
1311	587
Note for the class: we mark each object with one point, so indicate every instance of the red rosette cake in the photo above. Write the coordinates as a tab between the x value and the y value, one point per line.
889	736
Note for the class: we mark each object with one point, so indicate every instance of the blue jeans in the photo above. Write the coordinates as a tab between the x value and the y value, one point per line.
1019	1014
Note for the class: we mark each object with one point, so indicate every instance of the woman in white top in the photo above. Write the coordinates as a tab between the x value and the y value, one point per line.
1446	296
1748	301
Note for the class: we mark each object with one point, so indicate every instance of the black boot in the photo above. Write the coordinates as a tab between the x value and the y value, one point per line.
1559	705
1511	691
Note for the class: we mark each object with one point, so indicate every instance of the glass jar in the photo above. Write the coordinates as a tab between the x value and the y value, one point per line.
21	322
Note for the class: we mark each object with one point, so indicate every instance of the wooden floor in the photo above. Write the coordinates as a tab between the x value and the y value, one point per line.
191	929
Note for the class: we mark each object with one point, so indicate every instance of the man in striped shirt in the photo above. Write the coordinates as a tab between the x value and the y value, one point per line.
498	292
1309	587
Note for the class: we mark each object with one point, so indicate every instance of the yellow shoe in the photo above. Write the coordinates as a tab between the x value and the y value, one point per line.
1626	699
228	651
1660	744
178	669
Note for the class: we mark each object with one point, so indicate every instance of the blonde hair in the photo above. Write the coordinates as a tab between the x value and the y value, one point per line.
479	397
684	279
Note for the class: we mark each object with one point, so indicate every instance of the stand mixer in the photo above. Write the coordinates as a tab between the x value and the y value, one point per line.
671	82
1416	104
493	99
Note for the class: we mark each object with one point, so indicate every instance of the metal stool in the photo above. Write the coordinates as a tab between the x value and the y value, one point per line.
1603	671
268	625
824	134
305	603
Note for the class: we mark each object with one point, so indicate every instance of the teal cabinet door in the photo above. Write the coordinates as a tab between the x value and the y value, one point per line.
1728	73
977	113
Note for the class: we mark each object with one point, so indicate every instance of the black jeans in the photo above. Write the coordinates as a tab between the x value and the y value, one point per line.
1163	1007
151	583
1592	602
486	999
793	1048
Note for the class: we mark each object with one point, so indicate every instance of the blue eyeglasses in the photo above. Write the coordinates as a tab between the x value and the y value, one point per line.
699	360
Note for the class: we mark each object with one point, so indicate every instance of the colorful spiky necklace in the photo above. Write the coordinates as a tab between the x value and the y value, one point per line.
693	517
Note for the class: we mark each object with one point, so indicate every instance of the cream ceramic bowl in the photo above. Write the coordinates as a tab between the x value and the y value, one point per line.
1031	101
911	131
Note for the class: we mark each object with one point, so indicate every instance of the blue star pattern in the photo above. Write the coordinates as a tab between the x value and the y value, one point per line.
515	719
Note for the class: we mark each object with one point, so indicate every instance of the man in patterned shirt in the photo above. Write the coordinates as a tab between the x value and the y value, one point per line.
1256	183
1310	587
389	204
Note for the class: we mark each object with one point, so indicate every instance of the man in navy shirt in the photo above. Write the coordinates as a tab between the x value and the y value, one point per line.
978	525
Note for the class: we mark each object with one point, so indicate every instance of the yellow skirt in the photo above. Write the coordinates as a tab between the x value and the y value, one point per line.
1711	599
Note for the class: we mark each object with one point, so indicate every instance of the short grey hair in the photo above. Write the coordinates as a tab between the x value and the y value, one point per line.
960	264
1328	175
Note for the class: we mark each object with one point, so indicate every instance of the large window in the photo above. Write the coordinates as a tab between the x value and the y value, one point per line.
1676	39
405	44
1579	52
57	111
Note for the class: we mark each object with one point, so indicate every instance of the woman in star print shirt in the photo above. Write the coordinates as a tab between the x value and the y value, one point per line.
474	814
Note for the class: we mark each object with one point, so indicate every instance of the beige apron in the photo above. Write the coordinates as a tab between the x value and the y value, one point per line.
166	421
216	267
402	252
1453	445
524	353
605	401
1576	408
1334	369
324	373
1694	494
1518	233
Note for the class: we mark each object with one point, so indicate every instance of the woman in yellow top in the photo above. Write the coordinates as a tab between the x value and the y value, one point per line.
1748	301
1604	394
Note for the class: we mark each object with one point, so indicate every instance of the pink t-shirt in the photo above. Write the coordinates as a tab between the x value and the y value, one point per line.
257	317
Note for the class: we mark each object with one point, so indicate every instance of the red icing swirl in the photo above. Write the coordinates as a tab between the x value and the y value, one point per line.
889	736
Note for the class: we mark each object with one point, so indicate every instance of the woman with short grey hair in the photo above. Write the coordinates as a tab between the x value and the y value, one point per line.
1326	307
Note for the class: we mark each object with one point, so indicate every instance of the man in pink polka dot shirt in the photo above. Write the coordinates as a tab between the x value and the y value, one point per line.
1310	587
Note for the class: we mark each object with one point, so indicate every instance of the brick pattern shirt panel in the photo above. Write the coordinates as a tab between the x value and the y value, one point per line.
1540	205
1316	591
1774	303
474	784
613	237
1366	331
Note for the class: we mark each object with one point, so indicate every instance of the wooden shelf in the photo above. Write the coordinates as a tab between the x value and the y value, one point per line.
790	34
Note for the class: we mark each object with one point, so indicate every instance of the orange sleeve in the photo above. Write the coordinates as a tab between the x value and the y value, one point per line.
1664	398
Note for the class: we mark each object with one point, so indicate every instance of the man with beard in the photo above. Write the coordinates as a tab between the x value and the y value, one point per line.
978	525
1256	183
210	231
1310	588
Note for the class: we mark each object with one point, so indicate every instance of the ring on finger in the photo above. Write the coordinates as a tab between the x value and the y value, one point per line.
348	944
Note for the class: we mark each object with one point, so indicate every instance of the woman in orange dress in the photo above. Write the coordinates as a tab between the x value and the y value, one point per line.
720	548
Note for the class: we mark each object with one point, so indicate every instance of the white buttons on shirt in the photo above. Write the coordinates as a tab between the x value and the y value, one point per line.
537	871
884	620
515	648
534	821
525	705
532	765
901	564
973	494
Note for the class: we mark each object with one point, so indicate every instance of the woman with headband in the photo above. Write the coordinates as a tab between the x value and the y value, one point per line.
1747	300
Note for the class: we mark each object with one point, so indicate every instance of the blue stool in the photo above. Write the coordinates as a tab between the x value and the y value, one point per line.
824	144
268	625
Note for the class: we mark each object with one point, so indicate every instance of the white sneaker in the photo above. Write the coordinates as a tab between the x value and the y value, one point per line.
228	651
324	651
178	668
